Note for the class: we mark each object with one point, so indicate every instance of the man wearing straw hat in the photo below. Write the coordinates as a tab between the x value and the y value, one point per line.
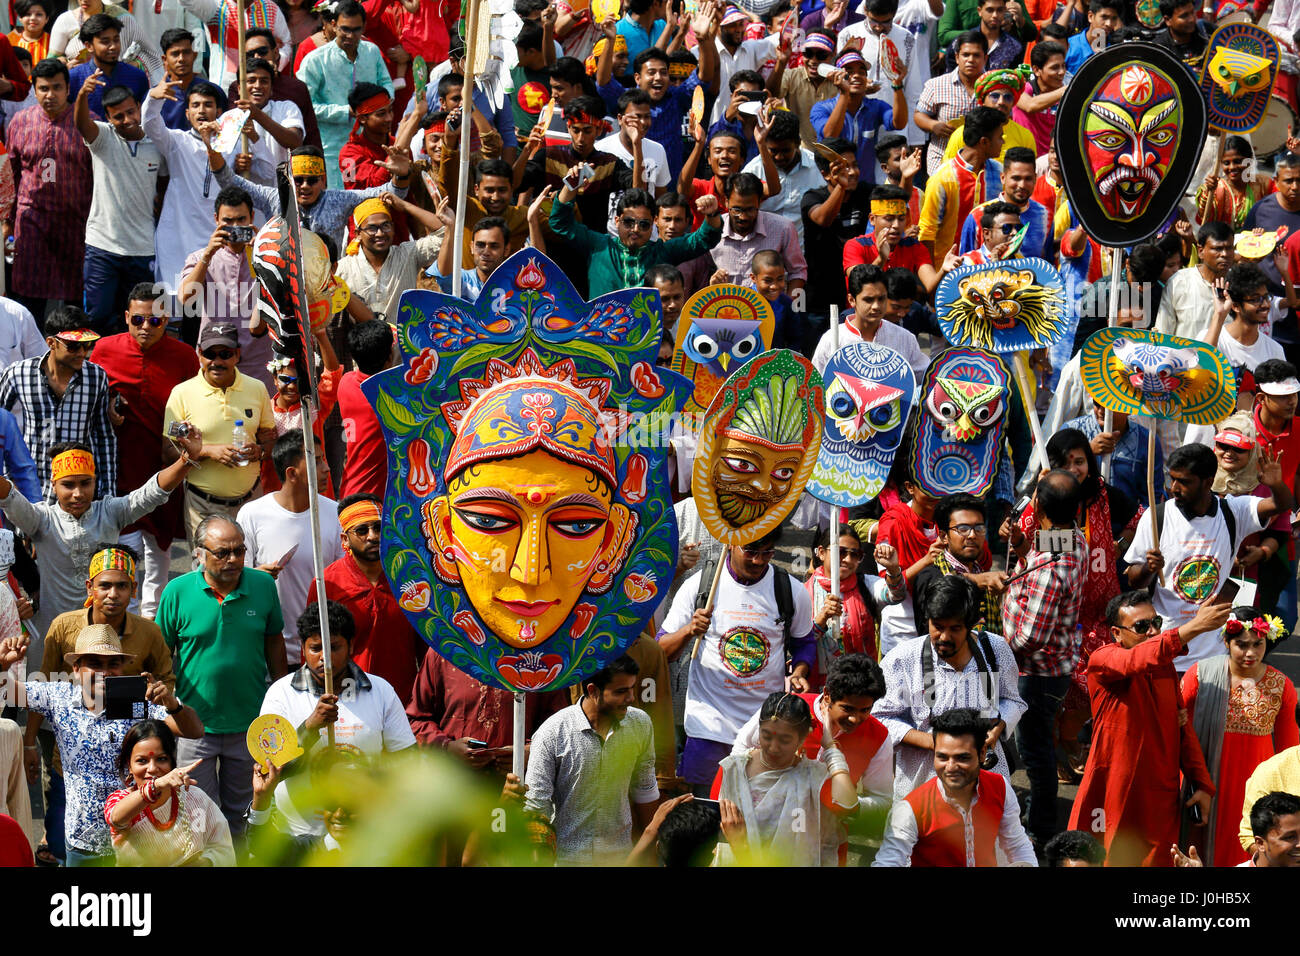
88	739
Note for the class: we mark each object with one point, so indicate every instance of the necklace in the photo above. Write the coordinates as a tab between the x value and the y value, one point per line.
175	806
767	766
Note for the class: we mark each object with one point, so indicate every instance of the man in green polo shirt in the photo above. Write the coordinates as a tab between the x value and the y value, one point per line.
223	625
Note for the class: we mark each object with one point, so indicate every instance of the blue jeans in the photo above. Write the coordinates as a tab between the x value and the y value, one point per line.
1034	737
77	858
108	280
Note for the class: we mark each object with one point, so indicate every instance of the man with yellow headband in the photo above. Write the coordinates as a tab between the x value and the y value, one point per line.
65	533
379	270
385	644
1001	90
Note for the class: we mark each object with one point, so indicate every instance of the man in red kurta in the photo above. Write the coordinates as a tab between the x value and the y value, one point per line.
385	644
1141	739
366	468
372	133
143	365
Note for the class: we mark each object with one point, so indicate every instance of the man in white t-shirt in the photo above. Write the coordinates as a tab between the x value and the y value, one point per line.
277	533
368	718
1197	548
1237	327
275	127
742	651
866	323
120	229
630	140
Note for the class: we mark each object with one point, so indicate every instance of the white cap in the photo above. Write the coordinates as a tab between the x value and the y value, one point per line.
1288	386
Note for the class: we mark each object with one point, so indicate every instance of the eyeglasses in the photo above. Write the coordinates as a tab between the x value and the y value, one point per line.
287	379
216	353
76	347
1149	626
362	530
306	180
966	530
756	553
1264	299
377	230
628	222
225	554
153	320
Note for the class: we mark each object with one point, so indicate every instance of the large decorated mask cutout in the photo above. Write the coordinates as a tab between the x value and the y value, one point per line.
965	396
1005	306
1134	122
528	528
721	328
869	391
758	447
1164	376
1239	74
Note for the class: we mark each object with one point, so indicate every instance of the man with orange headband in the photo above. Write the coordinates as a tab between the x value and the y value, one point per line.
64	533
372	109
385	644
63	398
332	71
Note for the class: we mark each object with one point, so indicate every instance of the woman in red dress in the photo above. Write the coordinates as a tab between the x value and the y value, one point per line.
1243	712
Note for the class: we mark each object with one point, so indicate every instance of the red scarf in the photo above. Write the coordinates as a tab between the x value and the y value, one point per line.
858	628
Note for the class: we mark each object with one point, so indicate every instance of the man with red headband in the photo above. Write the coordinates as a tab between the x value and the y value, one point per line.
372	108
385	644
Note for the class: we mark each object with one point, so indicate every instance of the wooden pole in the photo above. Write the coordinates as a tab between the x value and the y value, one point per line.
1021	364
708	607
1151	495
466	114
243	87
309	406
833	552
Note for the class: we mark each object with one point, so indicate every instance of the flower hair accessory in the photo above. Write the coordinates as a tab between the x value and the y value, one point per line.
1268	626
278	363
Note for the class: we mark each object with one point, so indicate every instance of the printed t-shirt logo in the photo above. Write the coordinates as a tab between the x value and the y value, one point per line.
745	651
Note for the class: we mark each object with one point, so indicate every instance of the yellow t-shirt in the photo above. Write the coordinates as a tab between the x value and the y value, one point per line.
214	412
1013	134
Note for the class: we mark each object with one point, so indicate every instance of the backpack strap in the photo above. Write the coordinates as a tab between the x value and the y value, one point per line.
706	583
784	593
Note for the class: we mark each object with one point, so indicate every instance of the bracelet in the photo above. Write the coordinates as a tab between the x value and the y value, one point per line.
31	747
896	88
179	708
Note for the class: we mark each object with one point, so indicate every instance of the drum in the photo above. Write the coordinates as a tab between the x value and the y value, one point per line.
1269	138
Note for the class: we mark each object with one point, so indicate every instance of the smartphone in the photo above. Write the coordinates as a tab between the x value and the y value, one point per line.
476	744
240	233
1056	541
121	694
178	430
825	69
584	174
1194	813
118	403
288	556
754	96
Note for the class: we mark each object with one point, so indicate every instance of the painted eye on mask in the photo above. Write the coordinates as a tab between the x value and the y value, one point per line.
886	416
745	347
1109	140
841	404
705	346
1161	137
988	413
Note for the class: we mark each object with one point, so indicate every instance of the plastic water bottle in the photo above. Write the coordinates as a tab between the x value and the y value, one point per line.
239	438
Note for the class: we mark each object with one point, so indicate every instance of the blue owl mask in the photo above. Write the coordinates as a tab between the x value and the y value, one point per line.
869	392
721	328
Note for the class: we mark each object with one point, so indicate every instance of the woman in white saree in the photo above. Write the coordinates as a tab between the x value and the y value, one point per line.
787	801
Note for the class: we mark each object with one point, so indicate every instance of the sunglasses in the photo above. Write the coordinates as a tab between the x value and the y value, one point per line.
258	53
306	180
362	530
153	320
1009	228
629	223
76	347
225	554
1149	626
287	379
1229	449
217	353
816	56
755	553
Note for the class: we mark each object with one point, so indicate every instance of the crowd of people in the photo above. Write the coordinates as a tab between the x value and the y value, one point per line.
839	159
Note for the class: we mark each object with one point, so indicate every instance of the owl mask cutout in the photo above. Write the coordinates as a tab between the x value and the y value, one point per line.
965	393
721	328
1238	78
1164	376
1005	306
1135	121
869	393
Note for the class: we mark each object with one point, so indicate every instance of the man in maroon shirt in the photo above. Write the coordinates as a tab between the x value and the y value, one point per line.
143	365
385	644
366	467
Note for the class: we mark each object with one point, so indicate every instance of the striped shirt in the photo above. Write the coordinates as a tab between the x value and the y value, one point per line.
950	195
80	415
945	99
